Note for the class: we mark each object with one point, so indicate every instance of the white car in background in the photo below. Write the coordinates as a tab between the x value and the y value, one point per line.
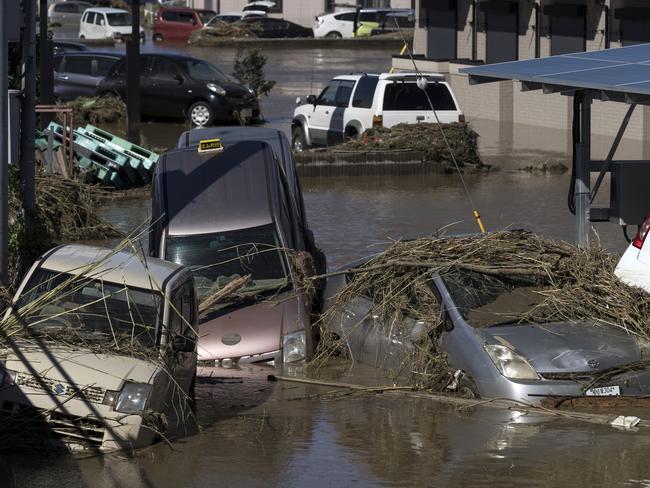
634	266
341	24
231	17
105	24
351	104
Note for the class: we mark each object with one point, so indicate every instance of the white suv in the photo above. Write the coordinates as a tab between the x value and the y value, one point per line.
351	104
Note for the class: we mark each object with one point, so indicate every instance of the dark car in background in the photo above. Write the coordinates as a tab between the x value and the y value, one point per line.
78	74
66	13
268	27
61	47
175	85
178	23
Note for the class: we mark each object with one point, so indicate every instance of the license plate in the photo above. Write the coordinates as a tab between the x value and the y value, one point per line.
247	112
604	391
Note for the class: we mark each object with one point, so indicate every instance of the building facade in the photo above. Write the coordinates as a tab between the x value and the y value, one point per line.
302	12
450	34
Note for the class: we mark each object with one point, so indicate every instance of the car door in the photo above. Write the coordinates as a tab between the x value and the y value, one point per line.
163	92
75	78
336	132
320	118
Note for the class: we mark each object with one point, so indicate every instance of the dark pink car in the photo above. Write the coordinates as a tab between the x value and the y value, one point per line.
178	23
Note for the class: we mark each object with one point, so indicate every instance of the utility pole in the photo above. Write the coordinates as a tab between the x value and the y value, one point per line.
28	116
4	147
46	63
133	75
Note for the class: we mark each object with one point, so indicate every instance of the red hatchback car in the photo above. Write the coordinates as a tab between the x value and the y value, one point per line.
178	23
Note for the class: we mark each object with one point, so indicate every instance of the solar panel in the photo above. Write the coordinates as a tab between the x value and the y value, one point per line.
623	70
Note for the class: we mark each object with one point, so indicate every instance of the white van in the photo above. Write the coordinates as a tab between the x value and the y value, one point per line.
106	23
351	104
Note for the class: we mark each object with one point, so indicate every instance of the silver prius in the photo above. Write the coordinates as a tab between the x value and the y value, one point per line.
98	350
494	353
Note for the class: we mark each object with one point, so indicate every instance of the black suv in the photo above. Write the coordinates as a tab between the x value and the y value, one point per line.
174	85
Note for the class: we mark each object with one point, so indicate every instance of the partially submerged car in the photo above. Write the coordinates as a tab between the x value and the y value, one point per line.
98	349
227	208
486	332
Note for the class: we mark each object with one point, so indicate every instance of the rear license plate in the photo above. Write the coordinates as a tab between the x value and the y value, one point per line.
247	112
604	391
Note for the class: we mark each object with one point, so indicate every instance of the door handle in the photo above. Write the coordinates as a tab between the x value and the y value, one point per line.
327	112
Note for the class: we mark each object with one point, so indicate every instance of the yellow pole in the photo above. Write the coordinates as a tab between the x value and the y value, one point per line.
401	53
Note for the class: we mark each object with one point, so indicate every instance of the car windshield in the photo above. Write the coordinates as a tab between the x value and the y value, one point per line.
202	71
119	19
222	257
206	16
486	301
74	309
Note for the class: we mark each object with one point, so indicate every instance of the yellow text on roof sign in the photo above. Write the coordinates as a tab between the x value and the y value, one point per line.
210	145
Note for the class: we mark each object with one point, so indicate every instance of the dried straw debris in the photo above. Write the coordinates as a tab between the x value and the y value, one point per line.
570	284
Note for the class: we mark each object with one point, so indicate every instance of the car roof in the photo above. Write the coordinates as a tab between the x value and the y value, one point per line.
215	192
231	135
74	54
107	10
353	77
411	74
121	267
184	9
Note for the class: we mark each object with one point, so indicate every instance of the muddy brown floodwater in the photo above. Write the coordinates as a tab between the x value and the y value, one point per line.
255	432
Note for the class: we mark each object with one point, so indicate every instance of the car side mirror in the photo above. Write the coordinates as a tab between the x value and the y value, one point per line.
311	99
298	100
179	78
101	21
183	344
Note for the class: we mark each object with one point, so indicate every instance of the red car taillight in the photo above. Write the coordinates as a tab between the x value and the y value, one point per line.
642	233
377	121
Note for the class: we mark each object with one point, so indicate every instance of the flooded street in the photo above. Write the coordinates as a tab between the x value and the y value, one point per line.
256	432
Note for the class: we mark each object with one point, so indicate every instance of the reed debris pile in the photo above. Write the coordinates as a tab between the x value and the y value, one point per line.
425	138
105	109
565	283
218	31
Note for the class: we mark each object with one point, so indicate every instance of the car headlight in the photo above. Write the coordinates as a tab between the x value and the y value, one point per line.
213	87
293	347
509	363
133	398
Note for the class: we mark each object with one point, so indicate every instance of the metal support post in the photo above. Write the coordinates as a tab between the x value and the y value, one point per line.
46	63
4	148
28	115
133	75
583	175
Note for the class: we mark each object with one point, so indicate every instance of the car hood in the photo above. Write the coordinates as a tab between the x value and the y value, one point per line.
78	367
567	347
247	331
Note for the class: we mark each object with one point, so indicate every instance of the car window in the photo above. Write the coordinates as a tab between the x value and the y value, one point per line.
120	69
65	8
119	19
204	71
81	65
104	65
186	18
348	16
81	7
57	63
165	70
407	96
170	16
99	18
344	92
368	17
90	18
365	91
328	95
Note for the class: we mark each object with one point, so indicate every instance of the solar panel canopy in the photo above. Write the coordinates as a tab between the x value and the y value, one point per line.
621	74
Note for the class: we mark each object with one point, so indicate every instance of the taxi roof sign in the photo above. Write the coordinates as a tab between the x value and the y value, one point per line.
210	145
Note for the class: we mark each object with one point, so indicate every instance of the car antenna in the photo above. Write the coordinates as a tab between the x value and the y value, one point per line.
422	85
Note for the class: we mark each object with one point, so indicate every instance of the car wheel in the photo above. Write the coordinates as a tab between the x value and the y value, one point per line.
334	35
298	142
351	133
158	38
200	114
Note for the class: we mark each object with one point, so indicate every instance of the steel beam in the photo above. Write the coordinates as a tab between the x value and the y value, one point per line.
28	115
133	75
582	173
4	148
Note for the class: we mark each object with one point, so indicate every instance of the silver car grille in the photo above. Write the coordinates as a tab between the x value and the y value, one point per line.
24	425
93	394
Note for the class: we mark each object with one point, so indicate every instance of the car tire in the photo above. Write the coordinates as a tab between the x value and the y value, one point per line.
298	142
200	114
158	38
334	35
351	133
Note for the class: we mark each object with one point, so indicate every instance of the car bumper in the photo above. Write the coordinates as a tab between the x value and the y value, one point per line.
69	423
630	383
225	108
